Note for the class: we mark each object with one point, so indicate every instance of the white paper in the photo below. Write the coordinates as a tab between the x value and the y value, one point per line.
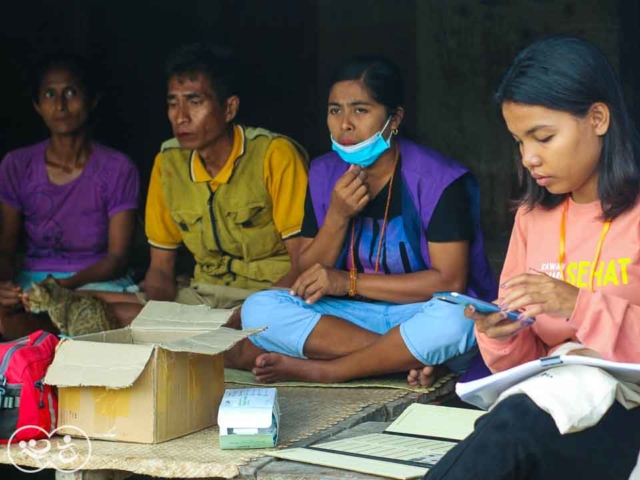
248	408
485	391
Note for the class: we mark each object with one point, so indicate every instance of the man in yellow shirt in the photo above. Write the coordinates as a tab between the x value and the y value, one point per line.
233	195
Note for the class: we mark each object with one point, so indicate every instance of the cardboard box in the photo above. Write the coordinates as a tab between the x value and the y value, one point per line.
160	378
249	418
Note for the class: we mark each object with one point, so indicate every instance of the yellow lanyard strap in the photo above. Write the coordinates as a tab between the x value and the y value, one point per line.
562	250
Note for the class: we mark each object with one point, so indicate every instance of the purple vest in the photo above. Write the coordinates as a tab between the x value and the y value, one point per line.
425	174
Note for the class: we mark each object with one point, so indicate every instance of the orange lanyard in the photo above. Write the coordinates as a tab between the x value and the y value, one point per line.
384	224
562	251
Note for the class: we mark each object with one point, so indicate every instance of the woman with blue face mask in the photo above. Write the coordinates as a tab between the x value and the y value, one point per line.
387	223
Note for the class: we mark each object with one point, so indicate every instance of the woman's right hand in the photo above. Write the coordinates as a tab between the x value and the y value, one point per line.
319	281
350	193
10	294
496	325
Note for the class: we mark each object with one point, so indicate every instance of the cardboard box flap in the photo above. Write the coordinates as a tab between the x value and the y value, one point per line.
248	408
210	343
174	316
111	365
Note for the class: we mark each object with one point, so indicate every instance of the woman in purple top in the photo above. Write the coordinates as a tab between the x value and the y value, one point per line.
387	223
75	198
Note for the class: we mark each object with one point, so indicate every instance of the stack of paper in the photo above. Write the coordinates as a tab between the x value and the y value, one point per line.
484	392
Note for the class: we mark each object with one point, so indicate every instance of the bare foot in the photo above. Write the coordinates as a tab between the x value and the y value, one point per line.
234	321
275	367
423	377
242	355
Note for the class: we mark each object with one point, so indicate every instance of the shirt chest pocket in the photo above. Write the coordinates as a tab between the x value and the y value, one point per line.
249	216
252	230
192	229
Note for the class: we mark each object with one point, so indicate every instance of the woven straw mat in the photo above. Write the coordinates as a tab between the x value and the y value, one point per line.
389	381
305	411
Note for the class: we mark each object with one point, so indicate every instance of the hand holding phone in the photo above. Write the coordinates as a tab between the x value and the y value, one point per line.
480	305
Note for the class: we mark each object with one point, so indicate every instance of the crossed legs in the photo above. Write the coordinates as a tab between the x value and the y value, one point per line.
386	354
336	351
327	348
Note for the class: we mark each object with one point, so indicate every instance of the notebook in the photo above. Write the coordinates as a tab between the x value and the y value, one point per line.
406	449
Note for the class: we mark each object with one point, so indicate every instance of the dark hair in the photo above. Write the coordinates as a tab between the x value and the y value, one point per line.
570	75
218	64
380	75
81	67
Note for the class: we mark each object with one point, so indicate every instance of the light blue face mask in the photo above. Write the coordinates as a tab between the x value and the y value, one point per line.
366	152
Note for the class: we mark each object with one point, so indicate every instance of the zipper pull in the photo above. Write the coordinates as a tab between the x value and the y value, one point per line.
40	386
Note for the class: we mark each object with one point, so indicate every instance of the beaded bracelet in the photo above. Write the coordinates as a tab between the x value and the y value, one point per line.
353	279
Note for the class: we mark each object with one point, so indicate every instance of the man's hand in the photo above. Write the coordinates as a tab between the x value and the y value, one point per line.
158	285
350	194
160	282
318	281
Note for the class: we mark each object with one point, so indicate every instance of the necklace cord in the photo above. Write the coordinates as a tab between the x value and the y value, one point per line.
353	272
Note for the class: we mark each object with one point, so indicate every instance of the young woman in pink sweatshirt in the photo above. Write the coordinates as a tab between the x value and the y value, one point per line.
572	267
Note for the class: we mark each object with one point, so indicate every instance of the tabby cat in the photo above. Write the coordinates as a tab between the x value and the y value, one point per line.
72	314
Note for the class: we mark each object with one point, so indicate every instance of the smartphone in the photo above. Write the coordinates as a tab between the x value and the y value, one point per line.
480	305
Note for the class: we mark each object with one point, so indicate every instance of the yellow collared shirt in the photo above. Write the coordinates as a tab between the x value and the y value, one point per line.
285	178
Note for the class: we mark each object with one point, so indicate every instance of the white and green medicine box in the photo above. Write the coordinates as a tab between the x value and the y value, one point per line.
249	418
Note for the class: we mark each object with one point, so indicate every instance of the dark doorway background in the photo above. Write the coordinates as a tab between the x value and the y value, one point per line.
131	39
452	54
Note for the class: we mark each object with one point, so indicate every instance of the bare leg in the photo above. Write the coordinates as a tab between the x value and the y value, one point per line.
421	377
242	355
235	320
334	337
111	297
331	338
125	306
388	354
125	312
19	323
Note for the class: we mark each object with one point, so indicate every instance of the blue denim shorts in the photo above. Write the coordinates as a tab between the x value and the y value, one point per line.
435	332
